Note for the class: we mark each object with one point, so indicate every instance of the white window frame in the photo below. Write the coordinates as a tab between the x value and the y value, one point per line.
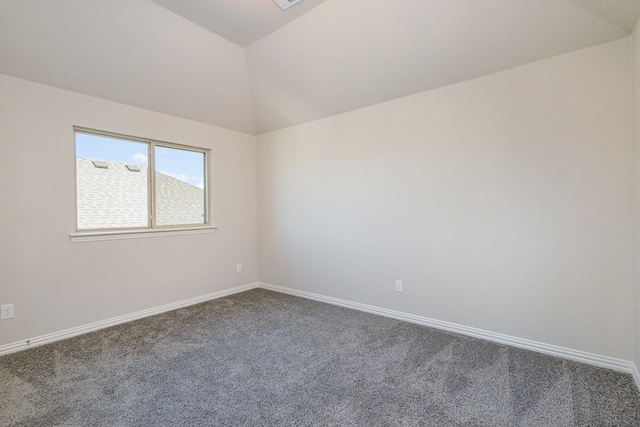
152	230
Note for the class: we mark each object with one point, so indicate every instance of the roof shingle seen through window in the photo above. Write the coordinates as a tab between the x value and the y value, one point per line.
114	197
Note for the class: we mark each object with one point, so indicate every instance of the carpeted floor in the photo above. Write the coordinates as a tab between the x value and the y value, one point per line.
265	359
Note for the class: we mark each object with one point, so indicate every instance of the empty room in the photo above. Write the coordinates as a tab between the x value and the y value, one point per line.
320	212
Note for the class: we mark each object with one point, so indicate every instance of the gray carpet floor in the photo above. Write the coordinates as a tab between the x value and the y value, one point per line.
261	358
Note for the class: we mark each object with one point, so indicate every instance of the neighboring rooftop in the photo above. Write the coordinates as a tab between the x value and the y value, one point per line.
115	196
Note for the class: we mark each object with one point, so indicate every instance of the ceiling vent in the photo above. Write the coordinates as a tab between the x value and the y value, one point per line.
286	4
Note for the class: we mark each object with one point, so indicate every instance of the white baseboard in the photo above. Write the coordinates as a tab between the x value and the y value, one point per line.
553	350
636	374
68	333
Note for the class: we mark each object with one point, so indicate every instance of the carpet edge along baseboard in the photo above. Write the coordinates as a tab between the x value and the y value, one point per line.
539	347
549	349
79	330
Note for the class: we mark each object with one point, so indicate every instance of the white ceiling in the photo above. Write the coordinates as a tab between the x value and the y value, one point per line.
345	55
621	13
134	52
240	21
316	59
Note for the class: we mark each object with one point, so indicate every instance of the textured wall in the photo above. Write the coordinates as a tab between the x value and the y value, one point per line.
56	284
504	203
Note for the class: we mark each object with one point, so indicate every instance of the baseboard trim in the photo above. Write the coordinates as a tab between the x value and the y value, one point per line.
72	332
553	350
636	374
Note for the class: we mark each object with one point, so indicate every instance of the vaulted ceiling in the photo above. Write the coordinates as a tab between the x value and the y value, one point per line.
242	22
247	65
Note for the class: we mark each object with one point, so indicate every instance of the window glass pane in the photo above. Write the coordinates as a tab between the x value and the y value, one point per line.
112	183
180	187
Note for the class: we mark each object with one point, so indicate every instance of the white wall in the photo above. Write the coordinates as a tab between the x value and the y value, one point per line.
636	200
504	203
56	284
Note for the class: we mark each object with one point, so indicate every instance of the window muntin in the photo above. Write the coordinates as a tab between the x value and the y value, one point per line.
146	185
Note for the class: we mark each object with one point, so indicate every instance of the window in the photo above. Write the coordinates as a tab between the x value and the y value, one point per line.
127	183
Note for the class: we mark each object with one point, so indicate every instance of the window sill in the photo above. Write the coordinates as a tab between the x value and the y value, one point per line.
91	236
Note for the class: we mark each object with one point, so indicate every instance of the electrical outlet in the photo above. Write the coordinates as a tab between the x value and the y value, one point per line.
238	267
398	285
6	311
